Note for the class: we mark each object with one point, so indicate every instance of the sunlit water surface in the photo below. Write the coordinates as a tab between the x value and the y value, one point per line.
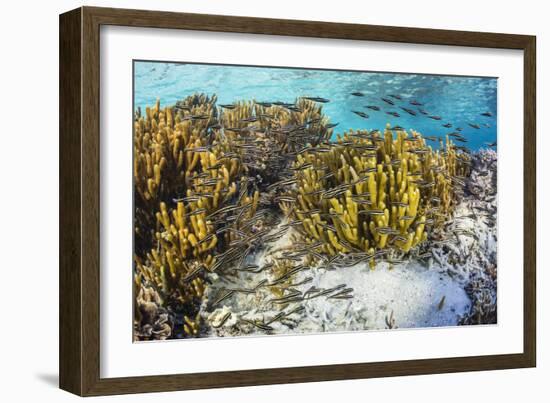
458	100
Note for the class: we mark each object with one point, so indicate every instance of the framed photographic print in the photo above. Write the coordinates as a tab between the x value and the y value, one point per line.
250	201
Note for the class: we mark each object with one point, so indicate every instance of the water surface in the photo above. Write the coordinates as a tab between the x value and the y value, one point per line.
458	100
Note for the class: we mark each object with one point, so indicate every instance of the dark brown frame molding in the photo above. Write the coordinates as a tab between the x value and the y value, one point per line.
79	200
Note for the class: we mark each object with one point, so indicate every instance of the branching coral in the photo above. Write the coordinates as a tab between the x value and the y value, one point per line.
366	192
267	136
164	160
181	176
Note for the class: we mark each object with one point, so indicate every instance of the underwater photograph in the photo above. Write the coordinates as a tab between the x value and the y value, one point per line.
285	201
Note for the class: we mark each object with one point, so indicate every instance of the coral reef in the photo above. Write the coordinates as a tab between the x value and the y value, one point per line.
164	160
260	194
369	193
181	176
266	136
460	270
197	190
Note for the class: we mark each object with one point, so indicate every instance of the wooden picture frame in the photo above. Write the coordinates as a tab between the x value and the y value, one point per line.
80	186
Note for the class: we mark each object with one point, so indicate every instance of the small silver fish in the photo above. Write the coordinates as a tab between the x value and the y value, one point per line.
441	303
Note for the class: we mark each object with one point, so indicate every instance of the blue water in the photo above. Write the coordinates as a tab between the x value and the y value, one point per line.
458	100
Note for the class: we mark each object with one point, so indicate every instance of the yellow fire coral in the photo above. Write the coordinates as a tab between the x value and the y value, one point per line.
266	135
367	192
181	176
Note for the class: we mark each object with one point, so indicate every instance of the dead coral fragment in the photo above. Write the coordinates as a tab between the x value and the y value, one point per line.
152	321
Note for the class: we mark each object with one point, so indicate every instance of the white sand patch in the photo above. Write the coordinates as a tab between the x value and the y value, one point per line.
412	292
